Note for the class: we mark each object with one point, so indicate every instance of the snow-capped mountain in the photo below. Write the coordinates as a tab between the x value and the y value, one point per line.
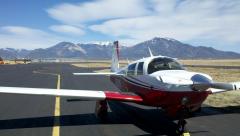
176	49
103	50
70	50
101	43
13	53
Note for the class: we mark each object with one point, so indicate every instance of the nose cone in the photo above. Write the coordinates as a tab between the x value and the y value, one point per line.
198	78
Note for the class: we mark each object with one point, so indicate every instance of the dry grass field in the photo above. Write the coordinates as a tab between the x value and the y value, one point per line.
234	62
9	62
98	64
225	99
12	62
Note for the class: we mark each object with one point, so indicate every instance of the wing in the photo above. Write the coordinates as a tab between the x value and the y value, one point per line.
81	94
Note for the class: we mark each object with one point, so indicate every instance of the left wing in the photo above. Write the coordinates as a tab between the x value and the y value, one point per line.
81	94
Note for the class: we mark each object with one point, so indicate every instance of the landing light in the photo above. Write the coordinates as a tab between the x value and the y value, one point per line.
185	100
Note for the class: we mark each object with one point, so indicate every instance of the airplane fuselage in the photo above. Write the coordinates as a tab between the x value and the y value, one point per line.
168	100
160	86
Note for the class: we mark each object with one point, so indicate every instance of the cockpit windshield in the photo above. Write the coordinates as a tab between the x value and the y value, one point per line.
163	64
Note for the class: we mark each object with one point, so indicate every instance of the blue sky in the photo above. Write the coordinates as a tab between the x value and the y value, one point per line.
34	24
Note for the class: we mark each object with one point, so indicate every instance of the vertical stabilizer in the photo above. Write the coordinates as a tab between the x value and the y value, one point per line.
150	52
115	57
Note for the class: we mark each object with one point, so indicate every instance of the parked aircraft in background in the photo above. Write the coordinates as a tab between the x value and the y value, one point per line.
158	81
22	60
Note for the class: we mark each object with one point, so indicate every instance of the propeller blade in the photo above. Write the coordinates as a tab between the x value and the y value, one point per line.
223	86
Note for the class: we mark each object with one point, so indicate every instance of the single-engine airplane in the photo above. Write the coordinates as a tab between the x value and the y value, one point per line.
22	60
158	81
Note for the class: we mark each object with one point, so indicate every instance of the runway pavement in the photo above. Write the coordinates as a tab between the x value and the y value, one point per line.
22	115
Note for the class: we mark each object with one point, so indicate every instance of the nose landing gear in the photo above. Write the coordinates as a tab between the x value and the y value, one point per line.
183	113
181	127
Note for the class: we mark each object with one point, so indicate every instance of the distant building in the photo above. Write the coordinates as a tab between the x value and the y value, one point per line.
1	61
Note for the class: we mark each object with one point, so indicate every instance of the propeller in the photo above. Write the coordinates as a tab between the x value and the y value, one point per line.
202	83
222	86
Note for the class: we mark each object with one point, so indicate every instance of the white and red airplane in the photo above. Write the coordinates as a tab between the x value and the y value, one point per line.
158	81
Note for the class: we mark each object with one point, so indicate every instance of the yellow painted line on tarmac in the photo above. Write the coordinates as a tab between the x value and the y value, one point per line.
59	81
56	127
186	134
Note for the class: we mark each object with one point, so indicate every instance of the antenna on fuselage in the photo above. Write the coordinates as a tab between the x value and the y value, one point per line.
128	61
150	52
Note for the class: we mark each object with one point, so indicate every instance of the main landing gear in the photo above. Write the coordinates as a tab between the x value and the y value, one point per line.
101	110
183	113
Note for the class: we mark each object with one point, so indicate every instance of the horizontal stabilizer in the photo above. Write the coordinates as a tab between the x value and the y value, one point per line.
93	74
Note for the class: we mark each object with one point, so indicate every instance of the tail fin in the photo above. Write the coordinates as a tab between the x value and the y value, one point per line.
115	57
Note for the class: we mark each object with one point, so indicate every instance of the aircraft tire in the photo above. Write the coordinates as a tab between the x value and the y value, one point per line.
101	110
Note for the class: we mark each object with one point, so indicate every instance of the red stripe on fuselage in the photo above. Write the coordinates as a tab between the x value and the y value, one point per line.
122	97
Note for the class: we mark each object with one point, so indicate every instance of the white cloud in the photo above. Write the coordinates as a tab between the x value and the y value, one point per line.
24	37
203	19
19	30
67	29
97	10
144	28
134	21
164	7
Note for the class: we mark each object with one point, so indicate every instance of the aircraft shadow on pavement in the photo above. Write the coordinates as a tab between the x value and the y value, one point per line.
152	121
149	121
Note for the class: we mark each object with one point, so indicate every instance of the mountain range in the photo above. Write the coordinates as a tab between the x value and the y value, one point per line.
159	46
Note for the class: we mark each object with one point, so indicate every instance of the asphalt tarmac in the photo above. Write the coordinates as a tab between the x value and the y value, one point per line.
24	115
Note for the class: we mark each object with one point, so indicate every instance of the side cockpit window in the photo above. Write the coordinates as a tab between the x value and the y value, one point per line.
131	69
140	68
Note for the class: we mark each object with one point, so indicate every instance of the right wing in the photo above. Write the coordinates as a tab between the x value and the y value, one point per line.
81	94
